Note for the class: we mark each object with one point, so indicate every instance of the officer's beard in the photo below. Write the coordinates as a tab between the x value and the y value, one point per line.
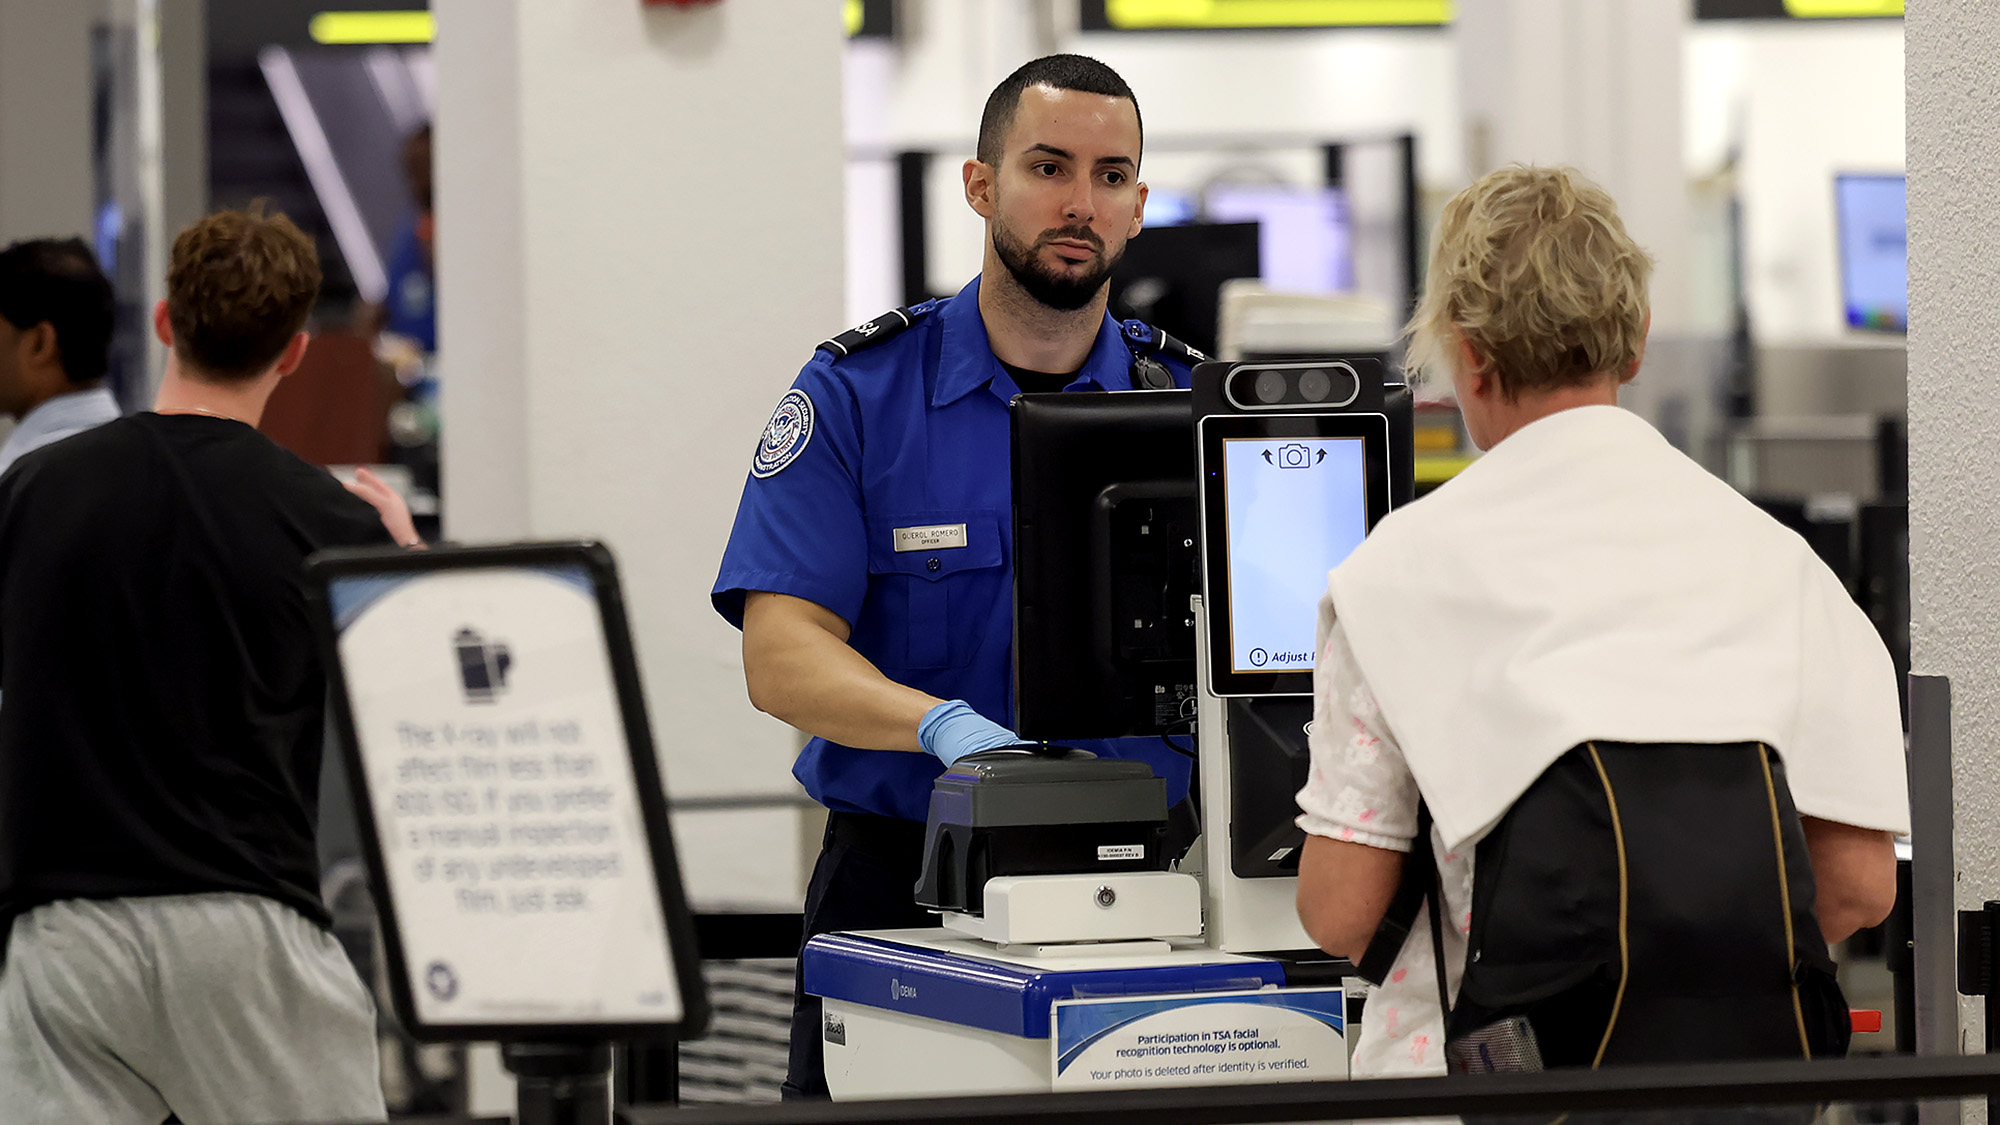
1059	291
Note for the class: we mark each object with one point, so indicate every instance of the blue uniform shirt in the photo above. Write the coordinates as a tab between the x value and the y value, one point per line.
411	301
910	433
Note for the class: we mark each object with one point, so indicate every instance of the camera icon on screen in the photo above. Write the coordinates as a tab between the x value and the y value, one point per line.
482	665
1292	455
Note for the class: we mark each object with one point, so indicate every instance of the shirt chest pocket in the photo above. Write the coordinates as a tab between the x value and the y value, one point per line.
941	584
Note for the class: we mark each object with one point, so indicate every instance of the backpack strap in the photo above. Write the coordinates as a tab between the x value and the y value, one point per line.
1419	885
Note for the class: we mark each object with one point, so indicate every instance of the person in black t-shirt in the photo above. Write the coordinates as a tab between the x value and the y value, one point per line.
161	725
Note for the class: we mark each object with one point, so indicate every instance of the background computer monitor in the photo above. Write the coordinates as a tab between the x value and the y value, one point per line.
1874	251
1105	560
1171	277
1305	239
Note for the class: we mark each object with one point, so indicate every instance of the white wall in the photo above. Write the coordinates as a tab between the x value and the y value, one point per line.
1802	101
1954	130
640	241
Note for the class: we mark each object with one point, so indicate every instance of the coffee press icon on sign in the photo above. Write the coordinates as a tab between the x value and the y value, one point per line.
482	665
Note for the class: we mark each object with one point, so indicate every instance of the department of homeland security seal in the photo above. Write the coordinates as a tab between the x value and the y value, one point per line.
785	436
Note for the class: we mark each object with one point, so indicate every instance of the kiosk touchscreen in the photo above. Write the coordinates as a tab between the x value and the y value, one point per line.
490	713
1287	497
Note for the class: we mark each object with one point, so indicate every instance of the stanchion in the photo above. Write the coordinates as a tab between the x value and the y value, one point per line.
560	1083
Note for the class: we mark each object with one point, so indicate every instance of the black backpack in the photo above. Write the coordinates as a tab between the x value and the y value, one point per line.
1638	903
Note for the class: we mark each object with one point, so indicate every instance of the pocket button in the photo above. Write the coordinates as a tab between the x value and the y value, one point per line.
932	565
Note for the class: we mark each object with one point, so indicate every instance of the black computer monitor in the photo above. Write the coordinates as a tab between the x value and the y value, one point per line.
1171	277
1105	561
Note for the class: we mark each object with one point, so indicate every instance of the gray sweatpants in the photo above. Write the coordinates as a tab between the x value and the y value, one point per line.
219	1008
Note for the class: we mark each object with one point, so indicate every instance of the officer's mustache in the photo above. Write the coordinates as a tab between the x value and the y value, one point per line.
1079	234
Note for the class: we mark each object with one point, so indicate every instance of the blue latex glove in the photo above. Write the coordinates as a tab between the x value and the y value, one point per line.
952	730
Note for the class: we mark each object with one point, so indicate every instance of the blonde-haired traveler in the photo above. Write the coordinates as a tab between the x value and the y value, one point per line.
1654	748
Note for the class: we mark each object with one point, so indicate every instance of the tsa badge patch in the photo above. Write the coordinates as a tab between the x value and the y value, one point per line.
785	436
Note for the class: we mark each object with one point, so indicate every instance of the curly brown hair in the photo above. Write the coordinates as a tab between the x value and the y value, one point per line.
239	286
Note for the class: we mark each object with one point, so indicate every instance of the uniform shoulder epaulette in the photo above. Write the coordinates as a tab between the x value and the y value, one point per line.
1149	340
885	327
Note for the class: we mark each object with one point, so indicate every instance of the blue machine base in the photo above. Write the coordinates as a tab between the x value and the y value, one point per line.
993	995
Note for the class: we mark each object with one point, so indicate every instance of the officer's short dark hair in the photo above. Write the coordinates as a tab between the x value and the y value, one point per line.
1061	72
57	280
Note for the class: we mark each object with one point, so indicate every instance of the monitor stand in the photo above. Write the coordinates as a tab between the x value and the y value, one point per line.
1257	912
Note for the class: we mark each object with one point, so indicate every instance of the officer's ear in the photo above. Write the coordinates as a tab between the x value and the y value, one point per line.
1138	213
979	177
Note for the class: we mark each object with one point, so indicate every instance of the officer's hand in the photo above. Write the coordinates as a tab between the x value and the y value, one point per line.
952	730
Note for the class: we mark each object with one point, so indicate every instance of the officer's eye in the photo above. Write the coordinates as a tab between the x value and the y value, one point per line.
1114	178
1047	168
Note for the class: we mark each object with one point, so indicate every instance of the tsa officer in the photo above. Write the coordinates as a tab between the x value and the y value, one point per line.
870	565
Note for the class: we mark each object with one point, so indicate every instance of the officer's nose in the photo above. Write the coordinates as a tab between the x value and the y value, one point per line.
1079	208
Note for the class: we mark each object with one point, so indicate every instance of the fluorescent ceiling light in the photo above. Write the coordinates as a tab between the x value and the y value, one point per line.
347	28
1133	14
1839	9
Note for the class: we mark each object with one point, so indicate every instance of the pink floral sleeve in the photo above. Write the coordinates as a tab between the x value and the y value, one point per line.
1359	788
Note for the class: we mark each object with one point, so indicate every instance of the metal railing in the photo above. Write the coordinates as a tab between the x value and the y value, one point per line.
1681	1086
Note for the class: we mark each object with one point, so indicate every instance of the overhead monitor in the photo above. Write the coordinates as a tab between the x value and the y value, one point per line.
1874	251
1286	498
489	708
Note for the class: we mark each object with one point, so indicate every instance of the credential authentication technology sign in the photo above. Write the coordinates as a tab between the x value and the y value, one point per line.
504	773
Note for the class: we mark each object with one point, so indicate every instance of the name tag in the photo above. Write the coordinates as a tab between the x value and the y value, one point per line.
933	538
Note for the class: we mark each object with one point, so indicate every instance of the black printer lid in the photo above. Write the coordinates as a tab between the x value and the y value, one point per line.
1018	787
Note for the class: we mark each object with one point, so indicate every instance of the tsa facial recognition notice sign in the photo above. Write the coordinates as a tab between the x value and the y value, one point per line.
488	722
1276	1035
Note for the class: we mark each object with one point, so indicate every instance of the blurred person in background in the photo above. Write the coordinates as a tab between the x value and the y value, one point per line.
408	310
163	943
55	343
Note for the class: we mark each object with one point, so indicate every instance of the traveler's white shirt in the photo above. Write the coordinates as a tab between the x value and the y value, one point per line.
56	419
1583	580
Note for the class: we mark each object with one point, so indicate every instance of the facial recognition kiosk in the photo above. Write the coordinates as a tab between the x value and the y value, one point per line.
489	709
1171	548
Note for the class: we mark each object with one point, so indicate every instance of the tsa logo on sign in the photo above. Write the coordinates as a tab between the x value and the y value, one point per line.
900	991
785	436
442	982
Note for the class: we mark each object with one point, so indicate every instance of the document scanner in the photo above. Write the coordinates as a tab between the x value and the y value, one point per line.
1028	846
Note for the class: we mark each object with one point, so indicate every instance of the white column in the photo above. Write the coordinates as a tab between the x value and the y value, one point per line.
1598	87
1952	60
45	168
639	239
1592	85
